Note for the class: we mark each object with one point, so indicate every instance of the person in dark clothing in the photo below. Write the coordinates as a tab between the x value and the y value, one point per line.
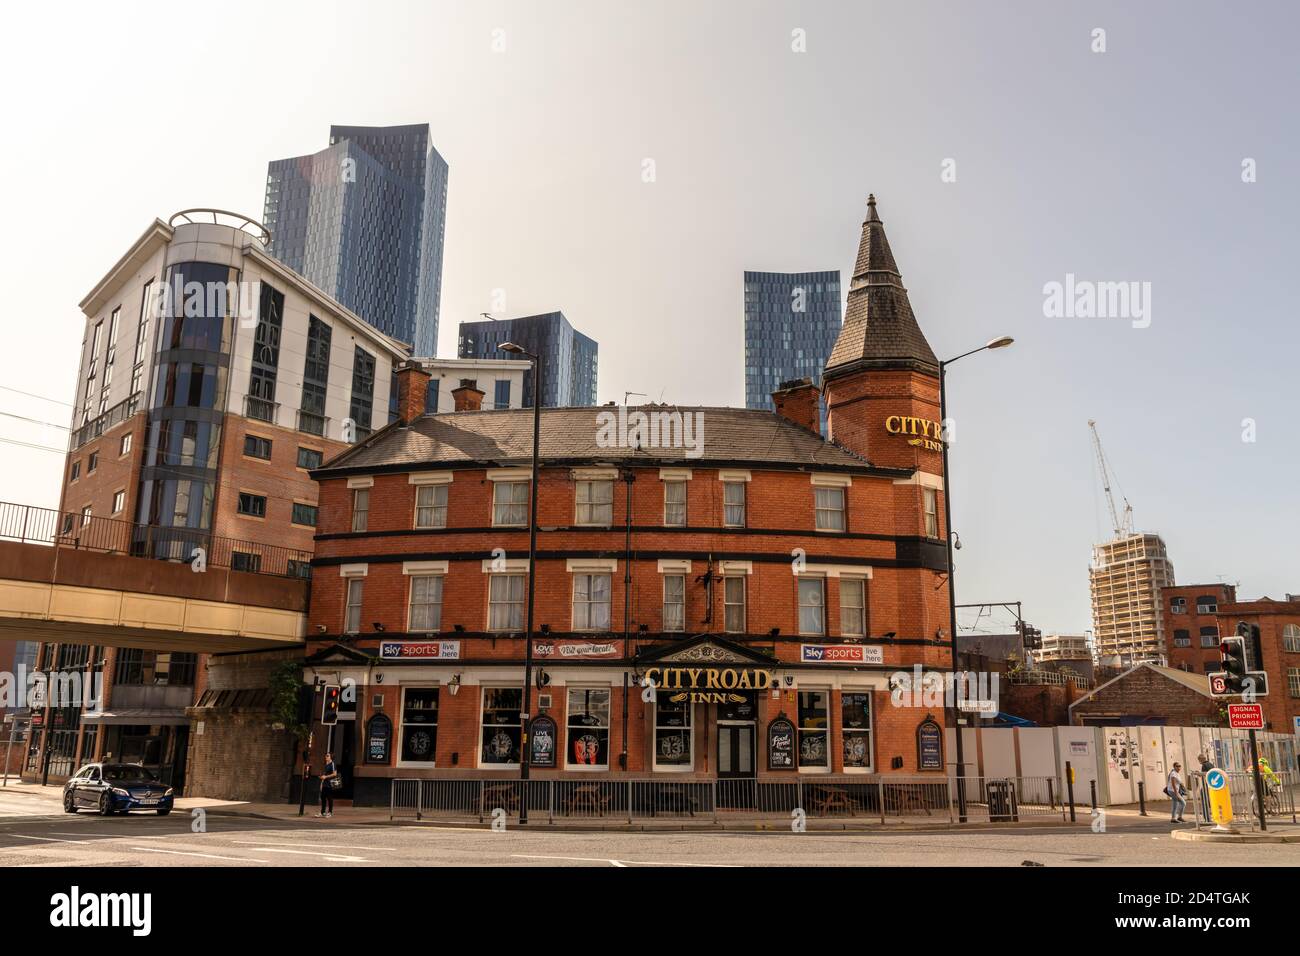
1206	767
326	788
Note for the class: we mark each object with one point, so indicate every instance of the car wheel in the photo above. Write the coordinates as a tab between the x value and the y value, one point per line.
69	805
163	811
105	808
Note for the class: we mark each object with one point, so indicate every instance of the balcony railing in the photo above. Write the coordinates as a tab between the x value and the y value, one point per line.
262	409
114	416
70	529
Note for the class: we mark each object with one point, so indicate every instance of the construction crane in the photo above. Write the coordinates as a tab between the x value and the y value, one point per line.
1121	528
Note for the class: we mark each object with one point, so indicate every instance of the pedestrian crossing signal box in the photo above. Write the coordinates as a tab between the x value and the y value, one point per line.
330	705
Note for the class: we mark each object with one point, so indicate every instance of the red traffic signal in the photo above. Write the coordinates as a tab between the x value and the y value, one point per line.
330	706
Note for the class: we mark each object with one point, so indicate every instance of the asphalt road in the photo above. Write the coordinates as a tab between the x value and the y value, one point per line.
34	832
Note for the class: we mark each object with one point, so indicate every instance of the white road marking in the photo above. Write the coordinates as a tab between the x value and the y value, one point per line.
329	856
24	836
206	856
620	863
323	846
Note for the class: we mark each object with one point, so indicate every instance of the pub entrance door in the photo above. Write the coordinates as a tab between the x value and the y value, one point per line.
737	766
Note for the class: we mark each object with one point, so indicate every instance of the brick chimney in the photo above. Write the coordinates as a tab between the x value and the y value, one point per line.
799	400
468	397
412	388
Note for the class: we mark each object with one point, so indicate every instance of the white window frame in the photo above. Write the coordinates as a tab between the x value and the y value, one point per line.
930	511
871	729
498	505
1291	638
800	581
860	584
360	515
689	766
744	603
743	505
410	603
583	488
676	576
401	727
348	606
438	506
119	501
676	483
608	728
820	509
590	604
124	445
492	578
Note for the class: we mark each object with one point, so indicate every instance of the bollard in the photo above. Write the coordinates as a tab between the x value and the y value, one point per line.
1142	798
1093	787
1069	787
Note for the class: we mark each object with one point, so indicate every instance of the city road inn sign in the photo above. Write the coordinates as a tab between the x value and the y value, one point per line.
708	685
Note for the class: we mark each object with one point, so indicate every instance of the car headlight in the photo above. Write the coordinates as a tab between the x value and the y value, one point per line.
120	792
170	791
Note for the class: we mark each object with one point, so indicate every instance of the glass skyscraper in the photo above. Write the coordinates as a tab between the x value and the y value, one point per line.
568	357
364	219
791	322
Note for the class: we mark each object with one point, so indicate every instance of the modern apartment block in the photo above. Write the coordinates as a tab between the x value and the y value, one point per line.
568	357
364	220
1126	578
212	379
792	320
1193	625
501	381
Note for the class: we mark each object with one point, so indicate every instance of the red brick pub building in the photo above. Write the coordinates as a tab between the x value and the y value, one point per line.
767	580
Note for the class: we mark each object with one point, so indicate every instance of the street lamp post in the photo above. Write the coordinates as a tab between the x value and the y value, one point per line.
998	343
525	716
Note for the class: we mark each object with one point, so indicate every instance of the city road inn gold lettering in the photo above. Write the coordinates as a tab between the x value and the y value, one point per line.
708	685
928	434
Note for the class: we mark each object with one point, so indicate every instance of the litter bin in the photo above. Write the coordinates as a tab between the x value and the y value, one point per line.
1002	801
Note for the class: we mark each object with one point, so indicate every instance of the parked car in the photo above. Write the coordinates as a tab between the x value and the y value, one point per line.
116	788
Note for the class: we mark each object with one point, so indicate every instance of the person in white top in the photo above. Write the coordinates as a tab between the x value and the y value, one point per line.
1177	793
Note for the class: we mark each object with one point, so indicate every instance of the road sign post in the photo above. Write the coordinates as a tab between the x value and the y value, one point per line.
1259	782
1216	786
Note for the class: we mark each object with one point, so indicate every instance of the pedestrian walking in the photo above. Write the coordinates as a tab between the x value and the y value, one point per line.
1206	767
327	777
1177	793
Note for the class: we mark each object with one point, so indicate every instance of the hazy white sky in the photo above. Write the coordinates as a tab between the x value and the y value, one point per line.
1117	166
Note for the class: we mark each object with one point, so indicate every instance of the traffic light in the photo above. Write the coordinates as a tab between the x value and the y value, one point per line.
1031	637
330	707
1232	651
1233	679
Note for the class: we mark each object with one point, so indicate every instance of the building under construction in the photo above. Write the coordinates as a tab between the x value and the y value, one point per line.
1125	578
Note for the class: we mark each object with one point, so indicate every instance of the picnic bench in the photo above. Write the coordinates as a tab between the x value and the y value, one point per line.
586	798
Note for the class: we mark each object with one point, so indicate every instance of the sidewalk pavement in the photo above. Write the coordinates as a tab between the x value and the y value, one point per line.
1119	816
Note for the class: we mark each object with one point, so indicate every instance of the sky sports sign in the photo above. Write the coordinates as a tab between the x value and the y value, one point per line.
419	650
842	653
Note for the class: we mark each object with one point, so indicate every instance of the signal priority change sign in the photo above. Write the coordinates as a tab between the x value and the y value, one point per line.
1246	716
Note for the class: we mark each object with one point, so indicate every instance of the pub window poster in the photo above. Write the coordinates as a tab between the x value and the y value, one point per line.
929	745
542	742
379	735
780	744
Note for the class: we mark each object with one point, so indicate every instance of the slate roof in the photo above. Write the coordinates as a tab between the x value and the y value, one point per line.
879	327
504	437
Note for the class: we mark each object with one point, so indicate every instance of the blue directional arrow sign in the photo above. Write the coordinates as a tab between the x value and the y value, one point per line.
1215	780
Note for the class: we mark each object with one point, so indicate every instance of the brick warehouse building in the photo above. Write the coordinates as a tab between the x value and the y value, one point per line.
767	580
1192	624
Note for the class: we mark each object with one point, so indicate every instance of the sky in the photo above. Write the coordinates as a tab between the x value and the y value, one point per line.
1010	145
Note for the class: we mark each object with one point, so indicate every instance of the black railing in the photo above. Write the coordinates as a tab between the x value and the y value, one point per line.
262	409
311	423
114	416
70	529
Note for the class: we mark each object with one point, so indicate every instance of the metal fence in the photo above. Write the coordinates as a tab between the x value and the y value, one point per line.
84	532
1279	798
866	797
